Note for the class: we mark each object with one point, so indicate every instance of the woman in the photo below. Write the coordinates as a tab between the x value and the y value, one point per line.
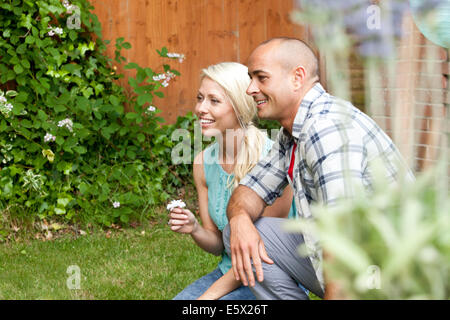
226	112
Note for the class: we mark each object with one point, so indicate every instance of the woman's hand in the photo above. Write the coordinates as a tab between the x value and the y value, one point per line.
182	221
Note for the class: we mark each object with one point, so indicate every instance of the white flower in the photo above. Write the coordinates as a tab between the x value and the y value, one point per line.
54	31
159	77
58	30
151	109
3	99
49	137
165	83
175	204
66	123
68	6
5	108
116	204
178	56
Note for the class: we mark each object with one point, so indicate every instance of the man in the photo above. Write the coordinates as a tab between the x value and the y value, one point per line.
325	144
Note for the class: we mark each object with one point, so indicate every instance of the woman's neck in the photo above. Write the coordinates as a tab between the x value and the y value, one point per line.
229	143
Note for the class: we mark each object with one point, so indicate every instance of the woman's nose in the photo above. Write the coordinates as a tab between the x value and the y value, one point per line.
201	107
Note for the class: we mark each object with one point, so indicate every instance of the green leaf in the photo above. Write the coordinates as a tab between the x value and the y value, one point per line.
59	211
73	35
25	64
80	149
131	115
142	99
132	65
141	137
63	202
18	69
59	140
29	40
83	104
114	100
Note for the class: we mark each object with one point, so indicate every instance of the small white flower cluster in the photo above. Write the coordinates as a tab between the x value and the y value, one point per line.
176	204
5	106
53	31
150	109
5	154
116	204
159	77
49	137
66	123
178	56
164	76
69	7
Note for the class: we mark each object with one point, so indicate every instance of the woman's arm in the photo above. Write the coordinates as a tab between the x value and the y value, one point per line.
280	208
207	236
221	287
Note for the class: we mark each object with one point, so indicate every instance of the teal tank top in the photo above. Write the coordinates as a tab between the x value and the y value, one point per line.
217	180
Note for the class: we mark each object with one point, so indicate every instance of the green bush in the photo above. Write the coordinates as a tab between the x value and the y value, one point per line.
74	143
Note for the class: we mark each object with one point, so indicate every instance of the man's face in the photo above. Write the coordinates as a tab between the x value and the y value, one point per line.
270	86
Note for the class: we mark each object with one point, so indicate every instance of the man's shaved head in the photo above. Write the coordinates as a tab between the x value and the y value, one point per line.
282	71
291	53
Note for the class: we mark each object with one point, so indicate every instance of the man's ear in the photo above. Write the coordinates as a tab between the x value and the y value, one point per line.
299	77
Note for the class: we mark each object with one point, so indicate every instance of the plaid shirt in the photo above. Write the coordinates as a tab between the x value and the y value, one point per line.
332	137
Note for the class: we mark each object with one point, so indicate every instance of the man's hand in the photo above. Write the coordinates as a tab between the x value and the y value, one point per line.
246	246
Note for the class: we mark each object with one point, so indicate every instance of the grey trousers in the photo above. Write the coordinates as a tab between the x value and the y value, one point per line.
281	279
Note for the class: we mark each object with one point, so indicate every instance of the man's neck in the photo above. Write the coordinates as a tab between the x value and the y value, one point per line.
288	121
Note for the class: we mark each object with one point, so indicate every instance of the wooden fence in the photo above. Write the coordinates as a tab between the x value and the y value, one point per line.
206	31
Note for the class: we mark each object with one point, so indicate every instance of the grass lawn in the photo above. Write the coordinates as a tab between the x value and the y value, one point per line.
148	262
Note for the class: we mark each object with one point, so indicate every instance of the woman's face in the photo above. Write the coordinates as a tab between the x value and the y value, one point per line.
214	110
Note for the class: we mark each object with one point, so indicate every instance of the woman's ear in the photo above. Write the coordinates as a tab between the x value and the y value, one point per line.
299	77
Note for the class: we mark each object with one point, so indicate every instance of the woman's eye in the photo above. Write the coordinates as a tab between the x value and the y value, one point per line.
215	101
199	98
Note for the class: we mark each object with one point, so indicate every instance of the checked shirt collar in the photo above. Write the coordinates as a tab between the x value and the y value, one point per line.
303	113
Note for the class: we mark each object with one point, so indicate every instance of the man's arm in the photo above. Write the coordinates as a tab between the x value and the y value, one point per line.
260	187
244	207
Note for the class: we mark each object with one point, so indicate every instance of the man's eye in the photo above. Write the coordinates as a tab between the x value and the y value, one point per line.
262	78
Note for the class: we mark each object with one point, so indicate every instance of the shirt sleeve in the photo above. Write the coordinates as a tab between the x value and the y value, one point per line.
268	177
335	156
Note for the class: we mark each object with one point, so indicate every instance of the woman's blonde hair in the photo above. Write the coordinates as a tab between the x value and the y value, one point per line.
234	80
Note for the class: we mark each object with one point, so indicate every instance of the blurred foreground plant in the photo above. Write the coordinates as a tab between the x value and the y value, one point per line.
393	243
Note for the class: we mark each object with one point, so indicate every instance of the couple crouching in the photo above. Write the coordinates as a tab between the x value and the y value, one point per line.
248	185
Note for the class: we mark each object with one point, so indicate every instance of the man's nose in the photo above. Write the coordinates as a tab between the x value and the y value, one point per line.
252	88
